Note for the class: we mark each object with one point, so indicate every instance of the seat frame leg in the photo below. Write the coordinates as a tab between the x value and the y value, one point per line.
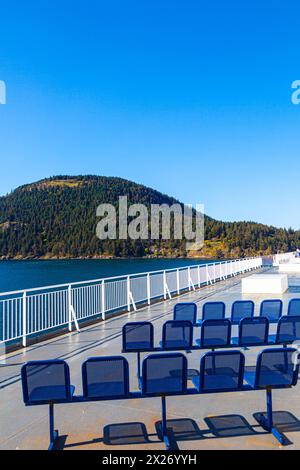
167	434
267	423
53	433
138	371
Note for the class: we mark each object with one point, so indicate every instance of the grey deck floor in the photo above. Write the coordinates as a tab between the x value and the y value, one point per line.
222	421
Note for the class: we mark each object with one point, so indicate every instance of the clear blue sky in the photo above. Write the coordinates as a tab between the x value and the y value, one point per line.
191	97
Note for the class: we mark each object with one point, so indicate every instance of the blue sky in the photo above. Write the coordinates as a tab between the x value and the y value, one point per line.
192	98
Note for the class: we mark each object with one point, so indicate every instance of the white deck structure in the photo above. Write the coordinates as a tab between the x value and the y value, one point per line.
265	284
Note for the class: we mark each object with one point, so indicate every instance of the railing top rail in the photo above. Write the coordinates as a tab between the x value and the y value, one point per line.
113	278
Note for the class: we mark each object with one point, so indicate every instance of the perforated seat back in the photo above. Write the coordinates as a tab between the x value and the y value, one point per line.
288	329
294	307
164	374
185	311
177	334
276	368
46	381
215	333
138	336
253	331
213	311
222	370
105	377
241	309
271	309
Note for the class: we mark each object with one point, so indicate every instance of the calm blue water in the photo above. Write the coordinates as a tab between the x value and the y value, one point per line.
15	275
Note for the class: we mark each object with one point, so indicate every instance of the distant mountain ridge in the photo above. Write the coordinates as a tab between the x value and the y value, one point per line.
56	218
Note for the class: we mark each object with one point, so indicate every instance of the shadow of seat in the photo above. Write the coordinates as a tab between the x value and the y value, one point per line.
230	426
182	429
125	434
283	420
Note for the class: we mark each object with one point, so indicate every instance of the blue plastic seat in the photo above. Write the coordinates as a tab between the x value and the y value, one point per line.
275	368
213	311
215	333
252	332
138	336
185	311
271	309
220	371
164	374
288	330
294	308
105	377
177	335
46	381
241	309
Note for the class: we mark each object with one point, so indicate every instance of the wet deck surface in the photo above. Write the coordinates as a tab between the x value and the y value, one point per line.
225	421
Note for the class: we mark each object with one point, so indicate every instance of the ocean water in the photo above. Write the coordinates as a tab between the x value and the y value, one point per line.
15	275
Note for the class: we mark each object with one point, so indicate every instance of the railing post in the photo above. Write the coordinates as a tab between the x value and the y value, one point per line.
24	319
178	281
215	273
199	277
103	299
128	293
165	282
69	308
189	278
148	289
208	278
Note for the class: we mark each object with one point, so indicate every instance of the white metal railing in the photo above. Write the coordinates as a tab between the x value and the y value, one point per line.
31	312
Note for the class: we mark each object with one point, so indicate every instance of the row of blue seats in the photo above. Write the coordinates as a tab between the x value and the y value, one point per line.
179	334
107	378
270	309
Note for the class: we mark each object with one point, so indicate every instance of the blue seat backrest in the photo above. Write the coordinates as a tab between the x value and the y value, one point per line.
288	329
138	336
276	368
177	334
294	307
105	377
185	311
221	371
46	381
164	374
241	309
253	331
215	333
213	311
271	309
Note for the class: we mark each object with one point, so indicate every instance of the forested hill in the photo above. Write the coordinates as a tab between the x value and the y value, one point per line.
56	218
